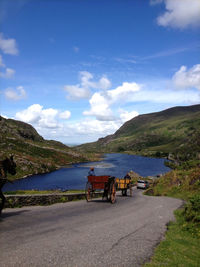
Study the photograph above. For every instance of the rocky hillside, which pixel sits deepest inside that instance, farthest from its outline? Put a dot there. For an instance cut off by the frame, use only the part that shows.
(173, 133)
(33, 154)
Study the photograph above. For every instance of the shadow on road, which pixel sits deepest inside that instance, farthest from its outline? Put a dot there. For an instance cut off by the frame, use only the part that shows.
(9, 214)
(99, 201)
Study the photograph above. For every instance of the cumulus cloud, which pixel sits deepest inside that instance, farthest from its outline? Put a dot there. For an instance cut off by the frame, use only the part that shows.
(123, 92)
(8, 46)
(101, 102)
(180, 13)
(15, 94)
(103, 83)
(100, 107)
(82, 90)
(47, 123)
(184, 78)
(126, 116)
(42, 118)
(65, 114)
(8, 73)
(87, 129)
(95, 127)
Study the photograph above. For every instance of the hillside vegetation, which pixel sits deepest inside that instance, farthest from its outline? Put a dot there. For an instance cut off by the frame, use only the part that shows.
(172, 133)
(183, 235)
(32, 153)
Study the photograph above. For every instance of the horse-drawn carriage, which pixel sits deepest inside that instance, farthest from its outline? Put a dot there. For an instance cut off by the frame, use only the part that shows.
(124, 185)
(106, 183)
(109, 185)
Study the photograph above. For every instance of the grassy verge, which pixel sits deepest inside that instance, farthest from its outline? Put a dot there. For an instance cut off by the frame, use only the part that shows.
(177, 183)
(182, 240)
(34, 192)
(180, 247)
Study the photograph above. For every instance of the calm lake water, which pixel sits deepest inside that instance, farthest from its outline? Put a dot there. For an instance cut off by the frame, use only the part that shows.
(75, 177)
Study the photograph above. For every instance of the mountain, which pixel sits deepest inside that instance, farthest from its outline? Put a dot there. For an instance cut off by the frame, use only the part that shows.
(32, 153)
(174, 133)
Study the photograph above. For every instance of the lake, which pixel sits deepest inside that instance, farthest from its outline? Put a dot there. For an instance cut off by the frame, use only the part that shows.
(75, 176)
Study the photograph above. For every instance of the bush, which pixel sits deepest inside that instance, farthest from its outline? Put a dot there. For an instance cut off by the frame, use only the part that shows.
(191, 214)
(192, 210)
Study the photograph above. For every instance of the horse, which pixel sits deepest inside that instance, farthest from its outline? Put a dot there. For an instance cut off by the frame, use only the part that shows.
(7, 165)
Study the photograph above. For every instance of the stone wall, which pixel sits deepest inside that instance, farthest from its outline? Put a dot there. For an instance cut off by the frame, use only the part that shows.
(13, 201)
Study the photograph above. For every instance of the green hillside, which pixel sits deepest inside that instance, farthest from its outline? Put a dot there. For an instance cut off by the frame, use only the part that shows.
(173, 133)
(32, 153)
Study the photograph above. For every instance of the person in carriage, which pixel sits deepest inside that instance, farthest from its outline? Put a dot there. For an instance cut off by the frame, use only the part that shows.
(91, 172)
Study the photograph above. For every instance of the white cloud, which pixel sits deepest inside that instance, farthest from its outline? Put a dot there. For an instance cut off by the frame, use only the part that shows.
(184, 78)
(86, 78)
(95, 127)
(8, 46)
(82, 90)
(65, 115)
(9, 73)
(104, 83)
(101, 102)
(75, 92)
(123, 92)
(41, 118)
(46, 122)
(180, 13)
(100, 108)
(15, 95)
(4, 116)
(86, 130)
(126, 116)
(30, 115)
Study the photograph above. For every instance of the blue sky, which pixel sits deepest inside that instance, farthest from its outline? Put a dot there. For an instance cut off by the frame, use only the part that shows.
(78, 69)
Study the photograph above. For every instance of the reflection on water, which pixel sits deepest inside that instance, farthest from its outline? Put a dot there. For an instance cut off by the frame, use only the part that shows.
(75, 177)
(103, 165)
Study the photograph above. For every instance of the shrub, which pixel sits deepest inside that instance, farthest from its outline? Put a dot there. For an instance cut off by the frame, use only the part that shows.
(192, 210)
(191, 214)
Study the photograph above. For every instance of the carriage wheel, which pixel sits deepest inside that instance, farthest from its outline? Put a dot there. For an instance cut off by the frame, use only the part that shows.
(88, 191)
(112, 192)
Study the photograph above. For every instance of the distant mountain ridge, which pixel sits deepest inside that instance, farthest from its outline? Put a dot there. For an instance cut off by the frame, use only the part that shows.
(172, 132)
(32, 153)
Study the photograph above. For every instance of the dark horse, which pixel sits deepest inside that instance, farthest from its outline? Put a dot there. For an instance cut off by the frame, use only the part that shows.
(7, 165)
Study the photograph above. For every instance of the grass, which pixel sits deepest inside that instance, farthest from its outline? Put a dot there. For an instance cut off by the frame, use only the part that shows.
(34, 192)
(182, 240)
(177, 183)
(180, 247)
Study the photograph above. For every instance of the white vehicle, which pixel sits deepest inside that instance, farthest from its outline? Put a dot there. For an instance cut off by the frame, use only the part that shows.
(141, 184)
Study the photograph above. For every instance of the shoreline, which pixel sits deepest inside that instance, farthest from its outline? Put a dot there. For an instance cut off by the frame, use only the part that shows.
(86, 164)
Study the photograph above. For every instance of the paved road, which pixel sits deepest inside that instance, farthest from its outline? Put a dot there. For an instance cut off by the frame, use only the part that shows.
(80, 234)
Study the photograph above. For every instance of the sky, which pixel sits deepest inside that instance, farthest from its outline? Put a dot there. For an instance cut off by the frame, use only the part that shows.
(77, 70)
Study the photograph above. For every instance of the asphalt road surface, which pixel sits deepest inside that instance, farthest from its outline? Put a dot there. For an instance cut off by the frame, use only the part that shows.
(81, 234)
